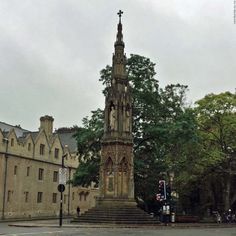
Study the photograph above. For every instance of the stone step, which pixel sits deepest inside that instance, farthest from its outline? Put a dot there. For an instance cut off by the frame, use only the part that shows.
(112, 221)
(137, 210)
(118, 211)
(116, 215)
(113, 218)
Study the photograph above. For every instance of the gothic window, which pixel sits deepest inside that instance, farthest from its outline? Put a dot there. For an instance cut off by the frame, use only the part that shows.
(56, 152)
(12, 142)
(55, 176)
(26, 196)
(40, 176)
(85, 196)
(42, 149)
(54, 197)
(80, 196)
(39, 197)
(29, 146)
(15, 170)
(28, 171)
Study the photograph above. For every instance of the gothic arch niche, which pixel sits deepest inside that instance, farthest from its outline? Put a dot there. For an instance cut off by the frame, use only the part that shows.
(123, 178)
(109, 177)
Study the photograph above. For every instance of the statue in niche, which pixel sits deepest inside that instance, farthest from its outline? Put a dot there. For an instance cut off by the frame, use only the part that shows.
(127, 118)
(112, 116)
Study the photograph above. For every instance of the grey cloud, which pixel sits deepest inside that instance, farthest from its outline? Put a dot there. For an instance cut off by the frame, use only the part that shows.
(52, 51)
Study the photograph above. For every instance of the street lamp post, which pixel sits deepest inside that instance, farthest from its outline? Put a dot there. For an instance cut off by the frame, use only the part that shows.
(5, 140)
(61, 189)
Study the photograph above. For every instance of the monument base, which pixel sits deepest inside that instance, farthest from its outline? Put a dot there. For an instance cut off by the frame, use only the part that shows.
(116, 211)
(115, 202)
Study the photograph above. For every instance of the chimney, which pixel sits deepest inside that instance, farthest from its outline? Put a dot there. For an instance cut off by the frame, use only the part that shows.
(46, 124)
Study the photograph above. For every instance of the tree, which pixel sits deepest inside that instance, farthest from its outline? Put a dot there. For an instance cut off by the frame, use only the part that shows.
(216, 116)
(207, 178)
(88, 140)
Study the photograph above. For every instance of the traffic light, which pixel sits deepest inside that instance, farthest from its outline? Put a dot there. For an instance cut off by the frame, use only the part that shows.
(162, 189)
(168, 192)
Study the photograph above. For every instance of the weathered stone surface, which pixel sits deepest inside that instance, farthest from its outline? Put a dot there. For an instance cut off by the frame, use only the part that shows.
(116, 169)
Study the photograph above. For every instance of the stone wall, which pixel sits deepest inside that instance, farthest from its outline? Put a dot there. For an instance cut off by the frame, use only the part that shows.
(32, 177)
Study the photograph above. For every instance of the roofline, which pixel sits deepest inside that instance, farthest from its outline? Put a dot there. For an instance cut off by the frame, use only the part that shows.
(14, 126)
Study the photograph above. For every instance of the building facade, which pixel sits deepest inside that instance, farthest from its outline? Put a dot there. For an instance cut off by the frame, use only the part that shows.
(29, 172)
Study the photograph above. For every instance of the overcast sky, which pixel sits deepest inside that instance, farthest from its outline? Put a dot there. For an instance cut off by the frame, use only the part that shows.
(51, 52)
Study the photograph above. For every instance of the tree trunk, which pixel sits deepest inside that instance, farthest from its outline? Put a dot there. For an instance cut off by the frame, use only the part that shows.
(226, 196)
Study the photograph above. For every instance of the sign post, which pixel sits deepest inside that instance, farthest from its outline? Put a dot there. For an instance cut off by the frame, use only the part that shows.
(62, 175)
(61, 186)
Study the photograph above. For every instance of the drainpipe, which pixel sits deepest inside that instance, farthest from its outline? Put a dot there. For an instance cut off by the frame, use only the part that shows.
(69, 191)
(5, 140)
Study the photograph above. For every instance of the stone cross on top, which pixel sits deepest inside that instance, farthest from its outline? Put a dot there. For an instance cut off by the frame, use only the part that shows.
(120, 14)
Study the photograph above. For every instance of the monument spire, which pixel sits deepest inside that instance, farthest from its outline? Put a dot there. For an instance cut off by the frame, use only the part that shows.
(119, 36)
(119, 58)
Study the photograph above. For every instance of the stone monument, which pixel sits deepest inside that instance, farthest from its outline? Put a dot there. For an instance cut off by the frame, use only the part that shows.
(116, 203)
(116, 169)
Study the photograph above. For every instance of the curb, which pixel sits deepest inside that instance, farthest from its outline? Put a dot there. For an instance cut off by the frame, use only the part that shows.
(161, 226)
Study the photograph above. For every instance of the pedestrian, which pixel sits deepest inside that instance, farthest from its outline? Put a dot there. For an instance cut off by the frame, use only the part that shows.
(78, 211)
(218, 217)
(233, 218)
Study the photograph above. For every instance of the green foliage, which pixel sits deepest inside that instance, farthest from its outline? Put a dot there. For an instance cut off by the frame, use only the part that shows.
(88, 140)
(210, 167)
(217, 121)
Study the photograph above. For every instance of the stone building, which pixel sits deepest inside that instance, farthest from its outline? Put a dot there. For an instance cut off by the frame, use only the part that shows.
(29, 172)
